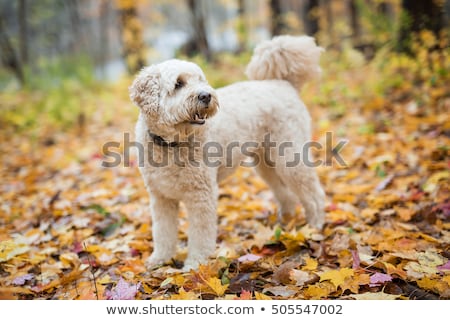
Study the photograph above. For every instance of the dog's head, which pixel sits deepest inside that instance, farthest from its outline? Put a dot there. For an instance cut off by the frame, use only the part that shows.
(174, 94)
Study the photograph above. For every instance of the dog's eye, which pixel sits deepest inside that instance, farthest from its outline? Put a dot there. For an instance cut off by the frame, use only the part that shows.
(179, 84)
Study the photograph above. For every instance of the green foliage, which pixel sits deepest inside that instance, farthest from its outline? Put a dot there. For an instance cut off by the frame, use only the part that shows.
(380, 28)
(349, 80)
(56, 93)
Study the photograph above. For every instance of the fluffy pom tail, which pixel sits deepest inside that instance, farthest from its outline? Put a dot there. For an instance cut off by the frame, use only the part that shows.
(294, 59)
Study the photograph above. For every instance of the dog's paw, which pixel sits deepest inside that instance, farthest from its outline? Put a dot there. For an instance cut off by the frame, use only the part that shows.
(192, 264)
(317, 222)
(155, 261)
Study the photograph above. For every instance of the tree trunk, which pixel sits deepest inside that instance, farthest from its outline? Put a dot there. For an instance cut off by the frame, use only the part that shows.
(330, 23)
(132, 36)
(419, 15)
(354, 22)
(277, 23)
(104, 50)
(241, 26)
(199, 41)
(23, 31)
(8, 57)
(311, 18)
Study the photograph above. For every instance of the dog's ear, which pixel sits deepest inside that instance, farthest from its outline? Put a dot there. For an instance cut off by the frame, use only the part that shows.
(145, 90)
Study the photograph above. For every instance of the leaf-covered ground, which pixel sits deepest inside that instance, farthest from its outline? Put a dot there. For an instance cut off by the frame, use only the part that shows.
(72, 229)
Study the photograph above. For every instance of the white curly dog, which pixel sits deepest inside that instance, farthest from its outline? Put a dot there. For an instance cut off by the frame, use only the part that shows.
(180, 114)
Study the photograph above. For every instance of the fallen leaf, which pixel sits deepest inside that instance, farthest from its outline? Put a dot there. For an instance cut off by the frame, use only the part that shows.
(444, 267)
(283, 273)
(432, 182)
(299, 277)
(245, 295)
(122, 291)
(374, 296)
(379, 278)
(183, 295)
(20, 280)
(280, 291)
(10, 249)
(383, 184)
(310, 264)
(319, 290)
(216, 285)
(356, 260)
(430, 259)
(261, 296)
(337, 277)
(249, 257)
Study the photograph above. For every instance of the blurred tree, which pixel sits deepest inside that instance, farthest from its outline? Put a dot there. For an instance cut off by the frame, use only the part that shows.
(199, 41)
(420, 15)
(103, 30)
(132, 36)
(23, 31)
(311, 17)
(8, 55)
(277, 22)
(354, 22)
(329, 21)
(241, 26)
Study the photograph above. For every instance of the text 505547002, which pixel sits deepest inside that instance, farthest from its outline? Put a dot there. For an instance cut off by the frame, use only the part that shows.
(307, 309)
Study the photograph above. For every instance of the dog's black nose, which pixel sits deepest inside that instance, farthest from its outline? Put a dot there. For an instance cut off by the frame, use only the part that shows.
(204, 97)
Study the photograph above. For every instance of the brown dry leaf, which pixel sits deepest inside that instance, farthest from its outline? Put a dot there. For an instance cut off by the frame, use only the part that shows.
(299, 277)
(374, 296)
(281, 291)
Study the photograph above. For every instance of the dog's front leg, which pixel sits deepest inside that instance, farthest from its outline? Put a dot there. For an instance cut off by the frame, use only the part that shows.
(202, 229)
(164, 229)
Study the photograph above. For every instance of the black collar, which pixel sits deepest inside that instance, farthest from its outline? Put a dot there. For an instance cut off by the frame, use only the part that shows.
(161, 142)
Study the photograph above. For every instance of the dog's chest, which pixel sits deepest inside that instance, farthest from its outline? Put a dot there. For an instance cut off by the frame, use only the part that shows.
(174, 172)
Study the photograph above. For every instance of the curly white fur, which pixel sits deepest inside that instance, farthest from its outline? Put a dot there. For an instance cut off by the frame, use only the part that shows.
(294, 59)
(169, 95)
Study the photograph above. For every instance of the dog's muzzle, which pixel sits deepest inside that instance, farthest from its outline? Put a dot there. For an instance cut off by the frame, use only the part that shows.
(203, 110)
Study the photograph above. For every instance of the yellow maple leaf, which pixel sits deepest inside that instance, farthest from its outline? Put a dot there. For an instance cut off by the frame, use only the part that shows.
(10, 249)
(319, 290)
(436, 285)
(353, 283)
(337, 277)
(216, 285)
(261, 296)
(183, 295)
(311, 264)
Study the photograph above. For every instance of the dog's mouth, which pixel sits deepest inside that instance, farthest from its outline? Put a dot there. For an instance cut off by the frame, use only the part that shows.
(199, 119)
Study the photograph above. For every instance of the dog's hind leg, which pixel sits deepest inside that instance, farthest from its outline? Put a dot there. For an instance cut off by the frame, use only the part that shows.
(287, 201)
(304, 182)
